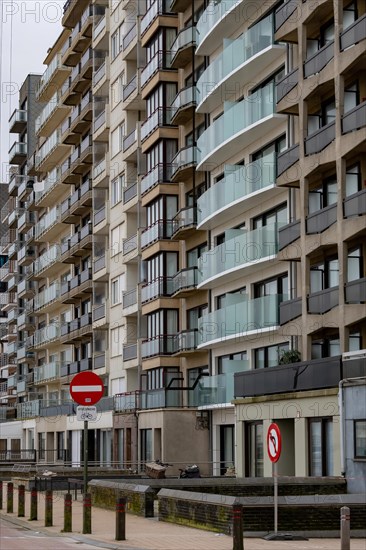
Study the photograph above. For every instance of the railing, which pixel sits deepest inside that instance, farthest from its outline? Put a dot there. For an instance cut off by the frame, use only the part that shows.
(46, 334)
(128, 401)
(51, 256)
(160, 117)
(288, 234)
(237, 319)
(355, 118)
(48, 110)
(129, 88)
(129, 298)
(160, 398)
(161, 286)
(324, 300)
(284, 12)
(129, 352)
(185, 218)
(319, 60)
(286, 84)
(51, 143)
(99, 27)
(99, 312)
(50, 371)
(100, 168)
(214, 12)
(51, 218)
(99, 120)
(18, 115)
(319, 140)
(184, 98)
(290, 309)
(184, 158)
(100, 215)
(100, 73)
(355, 291)
(129, 37)
(130, 244)
(186, 37)
(238, 183)
(185, 279)
(287, 158)
(161, 173)
(216, 389)
(160, 61)
(161, 229)
(156, 9)
(18, 148)
(129, 140)
(245, 248)
(355, 204)
(160, 345)
(186, 340)
(318, 221)
(354, 33)
(48, 74)
(99, 263)
(130, 193)
(46, 296)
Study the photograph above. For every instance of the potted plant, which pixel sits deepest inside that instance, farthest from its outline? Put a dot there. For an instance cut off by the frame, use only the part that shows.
(289, 356)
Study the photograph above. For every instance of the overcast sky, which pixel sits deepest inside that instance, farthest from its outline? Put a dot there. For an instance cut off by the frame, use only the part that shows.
(28, 29)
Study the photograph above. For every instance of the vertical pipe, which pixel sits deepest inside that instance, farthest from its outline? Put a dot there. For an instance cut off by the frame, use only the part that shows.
(21, 501)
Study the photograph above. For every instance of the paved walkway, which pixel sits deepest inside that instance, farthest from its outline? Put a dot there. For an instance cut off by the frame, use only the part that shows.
(148, 534)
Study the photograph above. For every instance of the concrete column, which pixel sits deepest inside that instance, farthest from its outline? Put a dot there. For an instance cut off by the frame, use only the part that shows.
(239, 444)
(267, 464)
(301, 447)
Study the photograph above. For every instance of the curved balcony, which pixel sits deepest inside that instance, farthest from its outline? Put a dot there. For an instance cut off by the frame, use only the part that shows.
(245, 318)
(238, 255)
(184, 105)
(160, 345)
(161, 287)
(235, 193)
(160, 118)
(184, 222)
(185, 281)
(54, 76)
(184, 163)
(239, 63)
(183, 46)
(161, 229)
(220, 19)
(161, 173)
(241, 123)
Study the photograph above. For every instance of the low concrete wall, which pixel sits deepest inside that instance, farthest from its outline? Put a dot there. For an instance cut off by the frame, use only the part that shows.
(313, 515)
(140, 498)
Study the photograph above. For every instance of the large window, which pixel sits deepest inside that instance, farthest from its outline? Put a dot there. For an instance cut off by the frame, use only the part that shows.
(227, 446)
(324, 275)
(195, 253)
(146, 445)
(271, 287)
(360, 438)
(233, 362)
(323, 195)
(277, 215)
(162, 322)
(354, 264)
(254, 449)
(117, 186)
(353, 179)
(325, 347)
(320, 446)
(269, 356)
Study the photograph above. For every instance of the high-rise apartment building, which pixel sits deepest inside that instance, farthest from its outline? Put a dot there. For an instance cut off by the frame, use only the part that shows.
(196, 232)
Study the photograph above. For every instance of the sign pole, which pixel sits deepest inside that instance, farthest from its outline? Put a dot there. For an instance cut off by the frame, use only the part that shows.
(85, 457)
(275, 483)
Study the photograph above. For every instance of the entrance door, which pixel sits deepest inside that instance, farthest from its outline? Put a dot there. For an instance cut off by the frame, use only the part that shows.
(227, 458)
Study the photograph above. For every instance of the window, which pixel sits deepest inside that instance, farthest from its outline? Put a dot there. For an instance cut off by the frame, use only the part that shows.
(233, 362)
(146, 445)
(195, 385)
(227, 452)
(324, 116)
(116, 341)
(230, 298)
(116, 41)
(351, 97)
(194, 314)
(117, 186)
(269, 356)
(272, 287)
(320, 446)
(60, 446)
(324, 195)
(349, 14)
(324, 275)
(117, 90)
(353, 180)
(360, 438)
(117, 239)
(195, 253)
(354, 264)
(277, 215)
(116, 294)
(162, 265)
(325, 347)
(117, 139)
(162, 322)
(254, 449)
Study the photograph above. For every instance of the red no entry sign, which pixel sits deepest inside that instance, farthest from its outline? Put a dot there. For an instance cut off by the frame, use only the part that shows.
(86, 388)
(274, 442)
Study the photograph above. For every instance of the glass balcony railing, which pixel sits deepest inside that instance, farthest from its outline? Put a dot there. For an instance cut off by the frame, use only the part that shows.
(236, 53)
(50, 144)
(162, 229)
(185, 218)
(47, 112)
(184, 98)
(50, 371)
(160, 61)
(186, 37)
(238, 183)
(216, 10)
(236, 119)
(46, 296)
(159, 7)
(162, 286)
(128, 401)
(17, 120)
(99, 27)
(48, 74)
(217, 389)
(46, 185)
(185, 279)
(243, 249)
(161, 173)
(160, 398)
(50, 219)
(160, 345)
(162, 116)
(51, 256)
(242, 317)
(46, 334)
(185, 157)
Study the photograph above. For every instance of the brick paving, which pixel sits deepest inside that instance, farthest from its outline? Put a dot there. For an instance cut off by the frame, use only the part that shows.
(149, 534)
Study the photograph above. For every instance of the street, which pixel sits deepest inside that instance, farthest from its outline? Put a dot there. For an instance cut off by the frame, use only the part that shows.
(13, 537)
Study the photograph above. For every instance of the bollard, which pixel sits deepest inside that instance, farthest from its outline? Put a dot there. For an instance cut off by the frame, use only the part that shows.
(68, 513)
(87, 514)
(238, 527)
(10, 498)
(1, 495)
(121, 518)
(48, 516)
(345, 528)
(34, 505)
(21, 501)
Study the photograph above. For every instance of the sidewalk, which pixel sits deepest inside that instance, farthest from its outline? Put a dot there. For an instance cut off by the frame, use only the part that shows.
(149, 534)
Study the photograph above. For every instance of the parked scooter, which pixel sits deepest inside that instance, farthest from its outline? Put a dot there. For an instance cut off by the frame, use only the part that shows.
(190, 472)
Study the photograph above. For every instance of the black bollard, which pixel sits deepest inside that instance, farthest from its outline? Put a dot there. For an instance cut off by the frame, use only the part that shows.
(10, 498)
(48, 517)
(87, 514)
(21, 501)
(238, 543)
(68, 513)
(34, 505)
(121, 518)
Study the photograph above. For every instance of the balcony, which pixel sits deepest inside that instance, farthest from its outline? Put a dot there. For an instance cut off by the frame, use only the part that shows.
(18, 121)
(47, 228)
(355, 291)
(158, 288)
(183, 47)
(126, 402)
(288, 234)
(319, 60)
(161, 229)
(286, 160)
(160, 62)
(51, 152)
(53, 76)
(44, 336)
(289, 310)
(26, 289)
(100, 74)
(160, 118)
(18, 153)
(25, 221)
(355, 205)
(46, 297)
(237, 256)
(26, 256)
(25, 188)
(158, 346)
(355, 118)
(303, 376)
(244, 318)
(241, 61)
(129, 193)
(130, 88)
(129, 141)
(320, 139)
(129, 298)
(129, 352)
(161, 398)
(47, 262)
(186, 341)
(354, 33)
(99, 27)
(184, 164)
(156, 9)
(50, 189)
(184, 222)
(236, 192)
(130, 245)
(283, 88)
(161, 173)
(76, 244)
(215, 390)
(100, 266)
(129, 43)
(241, 123)
(47, 373)
(51, 116)
(322, 219)
(324, 300)
(99, 312)
(76, 329)
(184, 105)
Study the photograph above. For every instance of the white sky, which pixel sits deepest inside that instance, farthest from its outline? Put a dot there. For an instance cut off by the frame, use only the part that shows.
(28, 28)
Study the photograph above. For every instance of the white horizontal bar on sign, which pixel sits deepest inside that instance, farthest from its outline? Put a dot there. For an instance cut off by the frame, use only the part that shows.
(84, 389)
